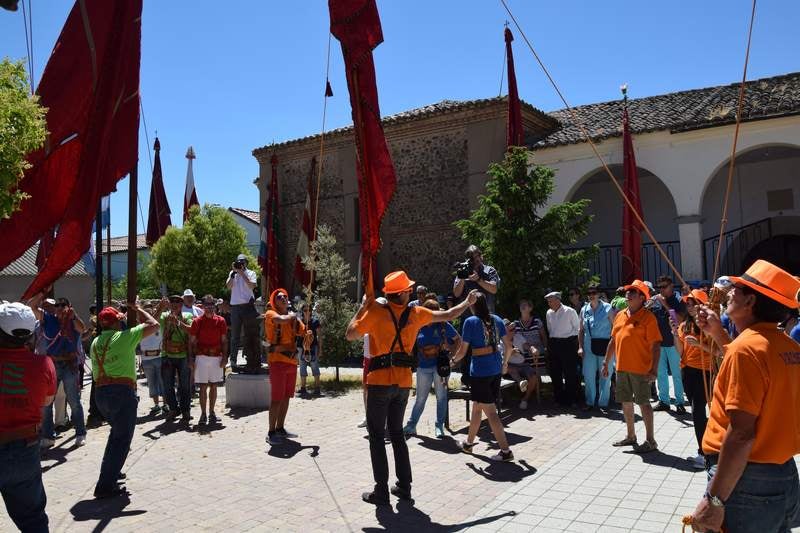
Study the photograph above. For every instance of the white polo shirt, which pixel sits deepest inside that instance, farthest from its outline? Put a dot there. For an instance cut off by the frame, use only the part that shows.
(240, 292)
(563, 322)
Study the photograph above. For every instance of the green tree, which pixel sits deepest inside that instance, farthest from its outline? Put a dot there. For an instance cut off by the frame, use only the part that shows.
(198, 256)
(147, 286)
(333, 307)
(23, 129)
(526, 246)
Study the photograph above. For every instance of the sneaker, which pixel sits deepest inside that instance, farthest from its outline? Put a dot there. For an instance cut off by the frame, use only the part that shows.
(363, 424)
(303, 392)
(273, 438)
(375, 499)
(202, 421)
(505, 456)
(698, 461)
(410, 430)
(317, 393)
(185, 417)
(285, 434)
(438, 431)
(680, 409)
(80, 440)
(400, 492)
(112, 493)
(661, 406)
(523, 404)
(466, 447)
(212, 418)
(46, 443)
(155, 410)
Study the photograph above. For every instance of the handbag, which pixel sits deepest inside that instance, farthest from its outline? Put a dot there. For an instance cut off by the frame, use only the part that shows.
(598, 346)
(443, 359)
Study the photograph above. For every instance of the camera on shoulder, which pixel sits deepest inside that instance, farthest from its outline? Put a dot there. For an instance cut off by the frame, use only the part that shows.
(464, 269)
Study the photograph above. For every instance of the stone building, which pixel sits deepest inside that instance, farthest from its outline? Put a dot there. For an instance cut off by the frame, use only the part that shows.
(682, 141)
(441, 153)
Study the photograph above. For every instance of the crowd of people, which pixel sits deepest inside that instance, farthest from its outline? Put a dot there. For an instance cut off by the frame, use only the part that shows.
(647, 344)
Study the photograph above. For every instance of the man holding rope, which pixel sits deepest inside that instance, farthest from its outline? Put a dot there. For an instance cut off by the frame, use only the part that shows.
(392, 330)
(753, 432)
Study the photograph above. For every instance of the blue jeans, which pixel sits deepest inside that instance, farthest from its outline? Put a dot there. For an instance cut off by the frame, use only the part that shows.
(426, 377)
(21, 486)
(592, 368)
(669, 356)
(765, 500)
(68, 373)
(169, 367)
(152, 371)
(117, 404)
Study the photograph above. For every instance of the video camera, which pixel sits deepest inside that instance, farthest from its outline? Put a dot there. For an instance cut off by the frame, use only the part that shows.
(464, 269)
(237, 265)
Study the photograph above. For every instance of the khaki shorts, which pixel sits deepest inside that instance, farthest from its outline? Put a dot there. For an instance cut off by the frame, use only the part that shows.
(633, 388)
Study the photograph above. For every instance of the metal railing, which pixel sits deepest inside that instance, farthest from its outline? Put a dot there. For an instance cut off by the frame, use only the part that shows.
(736, 244)
(607, 264)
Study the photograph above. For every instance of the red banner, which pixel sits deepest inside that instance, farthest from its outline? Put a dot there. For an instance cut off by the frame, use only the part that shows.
(158, 218)
(357, 26)
(307, 229)
(268, 252)
(515, 135)
(91, 89)
(631, 228)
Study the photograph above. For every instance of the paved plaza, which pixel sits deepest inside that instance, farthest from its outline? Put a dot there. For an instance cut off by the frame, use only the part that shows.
(566, 477)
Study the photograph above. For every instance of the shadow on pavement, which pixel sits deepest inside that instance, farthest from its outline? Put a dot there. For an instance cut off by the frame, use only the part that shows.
(503, 472)
(659, 458)
(102, 510)
(445, 445)
(58, 453)
(243, 412)
(290, 448)
(409, 517)
(166, 427)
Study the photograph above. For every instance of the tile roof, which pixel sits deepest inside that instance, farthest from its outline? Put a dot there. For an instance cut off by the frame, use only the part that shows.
(120, 244)
(252, 216)
(25, 265)
(681, 111)
(439, 108)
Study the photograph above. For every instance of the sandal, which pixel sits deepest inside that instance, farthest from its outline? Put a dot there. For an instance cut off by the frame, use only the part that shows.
(627, 441)
(466, 447)
(646, 447)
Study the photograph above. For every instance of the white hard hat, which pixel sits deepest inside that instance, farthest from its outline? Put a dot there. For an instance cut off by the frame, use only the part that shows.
(17, 319)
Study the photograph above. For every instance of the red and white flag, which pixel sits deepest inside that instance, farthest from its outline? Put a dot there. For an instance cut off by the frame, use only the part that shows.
(307, 230)
(190, 194)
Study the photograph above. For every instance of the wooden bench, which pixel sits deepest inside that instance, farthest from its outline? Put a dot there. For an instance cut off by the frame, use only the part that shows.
(466, 395)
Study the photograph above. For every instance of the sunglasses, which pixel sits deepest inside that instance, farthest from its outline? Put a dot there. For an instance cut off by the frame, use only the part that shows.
(281, 297)
(62, 305)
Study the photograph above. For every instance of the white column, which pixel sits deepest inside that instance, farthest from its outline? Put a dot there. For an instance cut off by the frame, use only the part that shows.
(690, 231)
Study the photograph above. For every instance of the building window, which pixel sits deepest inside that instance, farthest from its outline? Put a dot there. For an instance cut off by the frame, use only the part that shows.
(780, 200)
(356, 221)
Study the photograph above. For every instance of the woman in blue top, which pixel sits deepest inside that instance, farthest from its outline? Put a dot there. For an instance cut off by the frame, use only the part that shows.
(483, 332)
(430, 340)
(597, 318)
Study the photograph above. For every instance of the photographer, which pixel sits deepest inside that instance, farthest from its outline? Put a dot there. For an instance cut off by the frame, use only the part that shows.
(241, 282)
(474, 274)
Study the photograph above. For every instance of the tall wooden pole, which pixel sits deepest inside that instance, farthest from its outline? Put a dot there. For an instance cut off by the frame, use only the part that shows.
(132, 197)
(108, 252)
(98, 263)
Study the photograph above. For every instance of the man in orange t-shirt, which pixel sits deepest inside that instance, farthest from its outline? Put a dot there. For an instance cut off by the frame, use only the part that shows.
(753, 431)
(635, 341)
(392, 330)
(281, 327)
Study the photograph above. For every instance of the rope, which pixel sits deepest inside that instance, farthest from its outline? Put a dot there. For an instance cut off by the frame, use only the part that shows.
(315, 214)
(591, 143)
(732, 164)
(503, 70)
(26, 22)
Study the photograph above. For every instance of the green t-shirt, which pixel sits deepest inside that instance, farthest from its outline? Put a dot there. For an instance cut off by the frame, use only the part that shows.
(619, 303)
(120, 356)
(172, 333)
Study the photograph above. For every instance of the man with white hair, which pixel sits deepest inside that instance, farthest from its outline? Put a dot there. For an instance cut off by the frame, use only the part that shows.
(27, 384)
(563, 326)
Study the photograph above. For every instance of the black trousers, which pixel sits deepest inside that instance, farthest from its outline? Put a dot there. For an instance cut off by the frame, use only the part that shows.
(387, 403)
(696, 392)
(564, 369)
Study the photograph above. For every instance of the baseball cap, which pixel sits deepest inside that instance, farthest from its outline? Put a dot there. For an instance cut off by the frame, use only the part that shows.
(640, 286)
(188, 292)
(241, 257)
(552, 294)
(17, 319)
(109, 315)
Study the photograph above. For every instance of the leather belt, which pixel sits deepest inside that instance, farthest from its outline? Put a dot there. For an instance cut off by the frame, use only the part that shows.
(486, 350)
(106, 380)
(65, 357)
(26, 433)
(149, 353)
(282, 349)
(398, 359)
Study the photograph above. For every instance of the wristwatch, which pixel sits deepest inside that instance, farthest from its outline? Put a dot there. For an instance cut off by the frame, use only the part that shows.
(714, 500)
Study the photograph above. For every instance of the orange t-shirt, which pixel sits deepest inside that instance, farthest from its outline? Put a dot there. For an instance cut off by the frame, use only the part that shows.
(378, 324)
(693, 356)
(283, 337)
(760, 375)
(633, 337)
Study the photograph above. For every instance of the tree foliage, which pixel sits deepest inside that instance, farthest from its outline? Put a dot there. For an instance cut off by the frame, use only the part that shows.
(332, 305)
(198, 256)
(526, 246)
(147, 286)
(22, 130)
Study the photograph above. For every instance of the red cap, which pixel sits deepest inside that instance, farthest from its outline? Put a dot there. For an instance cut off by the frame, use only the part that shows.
(109, 316)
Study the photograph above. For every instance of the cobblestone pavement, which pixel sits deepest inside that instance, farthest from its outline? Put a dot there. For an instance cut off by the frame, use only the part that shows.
(566, 476)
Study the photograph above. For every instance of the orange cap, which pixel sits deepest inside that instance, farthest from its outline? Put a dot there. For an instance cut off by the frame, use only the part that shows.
(640, 286)
(771, 281)
(698, 295)
(395, 282)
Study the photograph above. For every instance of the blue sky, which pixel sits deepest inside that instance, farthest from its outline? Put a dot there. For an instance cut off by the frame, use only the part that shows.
(227, 77)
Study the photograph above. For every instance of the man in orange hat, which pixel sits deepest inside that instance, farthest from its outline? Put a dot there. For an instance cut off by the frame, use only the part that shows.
(753, 431)
(392, 329)
(282, 328)
(636, 343)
